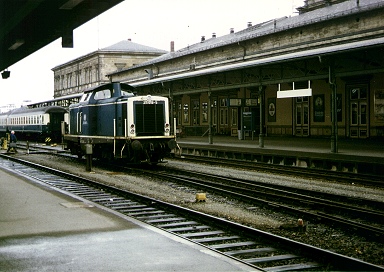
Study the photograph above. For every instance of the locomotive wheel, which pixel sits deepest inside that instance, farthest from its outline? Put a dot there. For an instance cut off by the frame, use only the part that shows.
(106, 154)
(154, 159)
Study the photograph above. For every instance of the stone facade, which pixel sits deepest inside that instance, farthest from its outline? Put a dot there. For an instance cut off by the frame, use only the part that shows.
(90, 70)
(221, 78)
(273, 38)
(335, 46)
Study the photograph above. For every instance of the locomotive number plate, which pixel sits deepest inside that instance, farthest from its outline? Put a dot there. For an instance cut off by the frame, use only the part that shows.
(149, 101)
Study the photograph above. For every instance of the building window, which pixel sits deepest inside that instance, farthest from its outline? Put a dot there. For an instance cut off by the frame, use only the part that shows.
(196, 112)
(97, 71)
(69, 80)
(205, 112)
(223, 111)
(179, 114)
(186, 113)
(62, 82)
(90, 75)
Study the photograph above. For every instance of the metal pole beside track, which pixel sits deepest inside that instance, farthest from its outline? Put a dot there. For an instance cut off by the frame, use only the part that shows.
(261, 135)
(210, 136)
(114, 137)
(332, 82)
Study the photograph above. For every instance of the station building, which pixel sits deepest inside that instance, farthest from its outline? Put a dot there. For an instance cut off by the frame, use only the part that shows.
(91, 69)
(318, 74)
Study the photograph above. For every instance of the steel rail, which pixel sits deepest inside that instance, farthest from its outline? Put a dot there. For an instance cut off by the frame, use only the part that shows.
(167, 216)
(347, 177)
(279, 199)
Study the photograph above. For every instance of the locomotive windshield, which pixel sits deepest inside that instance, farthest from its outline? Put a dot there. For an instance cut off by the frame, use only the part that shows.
(149, 118)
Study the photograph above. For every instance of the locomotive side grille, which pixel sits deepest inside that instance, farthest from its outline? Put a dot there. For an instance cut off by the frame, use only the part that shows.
(149, 119)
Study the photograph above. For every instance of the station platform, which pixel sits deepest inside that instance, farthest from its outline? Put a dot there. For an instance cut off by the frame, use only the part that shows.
(352, 147)
(43, 229)
(353, 155)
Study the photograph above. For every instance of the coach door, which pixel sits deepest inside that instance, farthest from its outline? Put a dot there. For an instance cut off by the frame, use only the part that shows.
(358, 107)
(302, 116)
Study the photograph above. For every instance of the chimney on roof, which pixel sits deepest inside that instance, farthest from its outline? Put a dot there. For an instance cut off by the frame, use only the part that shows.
(249, 24)
(202, 38)
(213, 35)
(231, 30)
(172, 46)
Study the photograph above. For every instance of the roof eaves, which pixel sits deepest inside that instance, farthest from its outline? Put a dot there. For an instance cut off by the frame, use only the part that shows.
(267, 28)
(275, 59)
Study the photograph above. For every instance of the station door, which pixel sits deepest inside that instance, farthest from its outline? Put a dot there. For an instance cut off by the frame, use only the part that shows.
(358, 116)
(301, 116)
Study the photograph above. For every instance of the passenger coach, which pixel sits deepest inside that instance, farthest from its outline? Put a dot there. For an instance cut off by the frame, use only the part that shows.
(34, 123)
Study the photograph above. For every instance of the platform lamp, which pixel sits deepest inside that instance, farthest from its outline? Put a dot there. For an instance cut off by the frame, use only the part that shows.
(6, 74)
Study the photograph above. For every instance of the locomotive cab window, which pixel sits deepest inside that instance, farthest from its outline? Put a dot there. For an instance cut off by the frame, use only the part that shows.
(85, 97)
(126, 93)
(103, 94)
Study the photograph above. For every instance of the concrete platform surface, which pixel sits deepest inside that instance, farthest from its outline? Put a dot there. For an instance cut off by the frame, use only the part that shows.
(42, 229)
(358, 148)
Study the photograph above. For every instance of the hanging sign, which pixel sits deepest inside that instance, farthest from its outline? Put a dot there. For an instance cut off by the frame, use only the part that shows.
(295, 93)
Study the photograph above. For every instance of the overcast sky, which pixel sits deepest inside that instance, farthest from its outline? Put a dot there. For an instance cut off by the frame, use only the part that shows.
(148, 22)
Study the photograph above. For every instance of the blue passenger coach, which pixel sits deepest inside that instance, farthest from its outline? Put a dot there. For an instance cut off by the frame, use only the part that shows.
(111, 122)
(34, 123)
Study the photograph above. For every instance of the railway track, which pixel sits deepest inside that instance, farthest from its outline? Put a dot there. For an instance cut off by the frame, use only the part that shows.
(346, 177)
(256, 248)
(345, 212)
(362, 216)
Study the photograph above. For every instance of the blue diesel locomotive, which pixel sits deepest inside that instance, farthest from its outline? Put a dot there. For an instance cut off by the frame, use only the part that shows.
(111, 122)
(34, 123)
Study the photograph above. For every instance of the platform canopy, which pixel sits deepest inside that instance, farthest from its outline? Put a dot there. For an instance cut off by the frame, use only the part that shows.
(28, 25)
